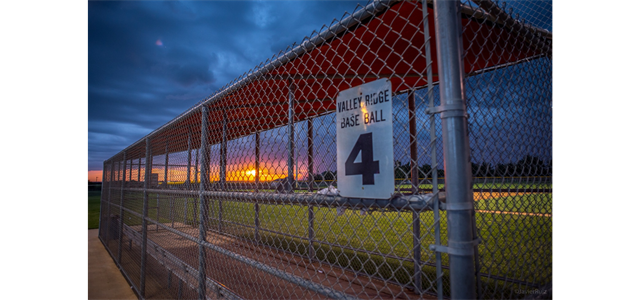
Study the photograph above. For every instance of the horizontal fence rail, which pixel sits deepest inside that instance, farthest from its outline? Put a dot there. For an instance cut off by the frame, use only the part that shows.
(240, 196)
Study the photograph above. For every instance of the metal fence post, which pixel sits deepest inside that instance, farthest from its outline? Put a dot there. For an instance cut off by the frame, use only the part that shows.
(188, 181)
(124, 171)
(101, 229)
(223, 153)
(456, 150)
(157, 211)
(109, 201)
(310, 153)
(198, 161)
(204, 153)
(413, 145)
(145, 212)
(184, 219)
(417, 263)
(186, 209)
(139, 168)
(171, 208)
(432, 145)
(312, 251)
(223, 167)
(312, 234)
(195, 174)
(166, 165)
(257, 180)
(290, 146)
(203, 207)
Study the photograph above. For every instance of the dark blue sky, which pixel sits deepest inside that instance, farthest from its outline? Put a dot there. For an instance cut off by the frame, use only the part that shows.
(149, 61)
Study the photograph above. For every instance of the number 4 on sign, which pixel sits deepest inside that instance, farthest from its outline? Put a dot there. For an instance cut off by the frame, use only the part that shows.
(367, 167)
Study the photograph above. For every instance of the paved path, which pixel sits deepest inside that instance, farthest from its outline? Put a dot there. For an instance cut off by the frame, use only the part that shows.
(105, 280)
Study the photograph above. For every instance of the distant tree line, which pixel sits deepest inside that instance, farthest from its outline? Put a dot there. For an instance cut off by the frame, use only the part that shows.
(527, 166)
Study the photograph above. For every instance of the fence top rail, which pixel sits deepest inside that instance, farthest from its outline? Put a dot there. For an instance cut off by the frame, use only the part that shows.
(295, 66)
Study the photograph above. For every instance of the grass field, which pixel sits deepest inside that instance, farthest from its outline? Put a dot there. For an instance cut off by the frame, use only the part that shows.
(514, 244)
(527, 204)
(94, 209)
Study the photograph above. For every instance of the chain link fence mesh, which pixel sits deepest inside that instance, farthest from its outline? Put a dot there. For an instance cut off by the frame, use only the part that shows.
(225, 200)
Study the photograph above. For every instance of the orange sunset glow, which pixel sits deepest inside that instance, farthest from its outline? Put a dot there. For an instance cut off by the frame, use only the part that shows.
(95, 174)
(248, 175)
(180, 174)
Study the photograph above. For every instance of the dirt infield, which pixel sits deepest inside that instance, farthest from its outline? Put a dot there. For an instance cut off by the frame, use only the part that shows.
(493, 195)
(513, 213)
(478, 196)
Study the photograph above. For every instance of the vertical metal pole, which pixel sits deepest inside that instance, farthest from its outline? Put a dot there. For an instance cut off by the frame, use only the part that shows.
(106, 190)
(476, 258)
(310, 153)
(456, 150)
(166, 165)
(435, 188)
(205, 161)
(290, 146)
(202, 288)
(166, 181)
(198, 161)
(145, 212)
(257, 180)
(124, 171)
(109, 201)
(223, 167)
(157, 211)
(312, 234)
(413, 145)
(436, 228)
(118, 180)
(101, 230)
(197, 177)
(171, 200)
(188, 181)
(417, 262)
(223, 153)
(310, 213)
(432, 145)
(130, 172)
(118, 174)
(139, 168)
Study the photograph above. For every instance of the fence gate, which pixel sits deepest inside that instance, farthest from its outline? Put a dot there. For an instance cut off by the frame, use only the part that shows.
(243, 195)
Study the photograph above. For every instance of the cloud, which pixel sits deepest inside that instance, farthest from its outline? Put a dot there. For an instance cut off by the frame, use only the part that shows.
(150, 61)
(186, 75)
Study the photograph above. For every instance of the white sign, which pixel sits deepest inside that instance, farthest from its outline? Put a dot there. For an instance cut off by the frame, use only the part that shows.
(365, 141)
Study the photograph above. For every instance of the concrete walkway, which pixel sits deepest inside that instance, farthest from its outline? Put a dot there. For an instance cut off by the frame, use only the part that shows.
(105, 280)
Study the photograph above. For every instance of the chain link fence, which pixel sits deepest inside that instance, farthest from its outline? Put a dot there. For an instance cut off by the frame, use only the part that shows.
(238, 196)
(509, 109)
